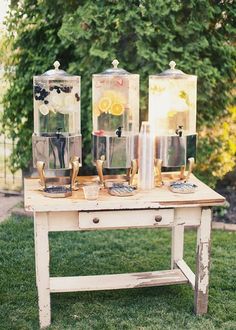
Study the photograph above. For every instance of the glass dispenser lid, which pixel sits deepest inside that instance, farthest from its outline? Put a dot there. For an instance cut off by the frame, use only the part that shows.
(114, 70)
(57, 73)
(173, 72)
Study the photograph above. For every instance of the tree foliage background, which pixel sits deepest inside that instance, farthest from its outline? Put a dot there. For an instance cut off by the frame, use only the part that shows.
(144, 35)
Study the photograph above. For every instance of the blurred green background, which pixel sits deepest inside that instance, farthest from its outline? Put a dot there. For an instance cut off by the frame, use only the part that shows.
(85, 36)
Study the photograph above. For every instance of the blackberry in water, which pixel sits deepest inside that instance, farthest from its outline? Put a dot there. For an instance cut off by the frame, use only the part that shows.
(66, 89)
(77, 97)
(37, 89)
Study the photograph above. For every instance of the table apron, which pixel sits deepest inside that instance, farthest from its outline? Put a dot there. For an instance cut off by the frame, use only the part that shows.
(123, 219)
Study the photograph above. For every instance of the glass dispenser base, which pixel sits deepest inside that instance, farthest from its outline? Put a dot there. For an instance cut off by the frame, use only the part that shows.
(113, 152)
(56, 151)
(116, 152)
(174, 152)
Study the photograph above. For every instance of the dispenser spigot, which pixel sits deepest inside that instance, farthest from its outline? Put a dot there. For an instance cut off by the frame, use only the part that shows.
(119, 131)
(179, 131)
(58, 132)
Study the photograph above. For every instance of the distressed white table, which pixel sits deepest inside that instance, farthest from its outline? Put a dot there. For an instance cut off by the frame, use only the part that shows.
(156, 208)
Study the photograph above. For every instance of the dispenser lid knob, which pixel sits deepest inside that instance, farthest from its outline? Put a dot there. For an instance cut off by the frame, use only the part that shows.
(56, 65)
(115, 63)
(172, 65)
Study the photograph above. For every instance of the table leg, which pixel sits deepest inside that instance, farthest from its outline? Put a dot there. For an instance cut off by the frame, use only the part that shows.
(177, 247)
(202, 263)
(42, 267)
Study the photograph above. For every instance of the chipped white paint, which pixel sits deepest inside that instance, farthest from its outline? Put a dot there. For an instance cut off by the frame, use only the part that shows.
(42, 267)
(75, 213)
(204, 271)
(202, 262)
(182, 215)
(117, 281)
(153, 199)
(205, 228)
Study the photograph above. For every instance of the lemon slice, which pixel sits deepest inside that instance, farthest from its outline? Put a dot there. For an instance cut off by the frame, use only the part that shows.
(44, 109)
(104, 104)
(117, 109)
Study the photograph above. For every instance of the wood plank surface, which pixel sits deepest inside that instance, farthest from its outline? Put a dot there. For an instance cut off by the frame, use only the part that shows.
(153, 199)
(117, 281)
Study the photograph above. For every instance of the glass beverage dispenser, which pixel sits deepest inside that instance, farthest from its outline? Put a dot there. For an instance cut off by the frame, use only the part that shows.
(57, 140)
(172, 112)
(115, 120)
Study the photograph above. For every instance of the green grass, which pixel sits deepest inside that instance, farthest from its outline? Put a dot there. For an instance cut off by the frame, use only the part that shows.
(84, 253)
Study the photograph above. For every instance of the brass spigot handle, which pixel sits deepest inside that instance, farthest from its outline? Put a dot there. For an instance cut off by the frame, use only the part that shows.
(182, 172)
(40, 168)
(74, 173)
(191, 163)
(128, 173)
(133, 171)
(73, 158)
(157, 171)
(99, 166)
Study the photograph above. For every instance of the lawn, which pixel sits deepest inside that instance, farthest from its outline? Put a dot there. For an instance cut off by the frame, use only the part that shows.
(83, 253)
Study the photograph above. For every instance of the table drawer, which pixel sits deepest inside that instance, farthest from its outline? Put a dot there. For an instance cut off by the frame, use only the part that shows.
(126, 219)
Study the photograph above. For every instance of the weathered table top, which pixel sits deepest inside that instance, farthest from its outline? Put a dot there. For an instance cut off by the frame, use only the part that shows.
(153, 199)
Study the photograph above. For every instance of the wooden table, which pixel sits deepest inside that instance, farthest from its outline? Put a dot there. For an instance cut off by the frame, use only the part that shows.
(156, 208)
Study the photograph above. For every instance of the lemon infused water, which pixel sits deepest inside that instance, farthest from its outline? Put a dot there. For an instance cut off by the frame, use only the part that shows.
(115, 106)
(172, 114)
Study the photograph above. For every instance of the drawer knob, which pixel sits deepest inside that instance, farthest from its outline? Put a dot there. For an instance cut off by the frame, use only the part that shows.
(95, 220)
(158, 218)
